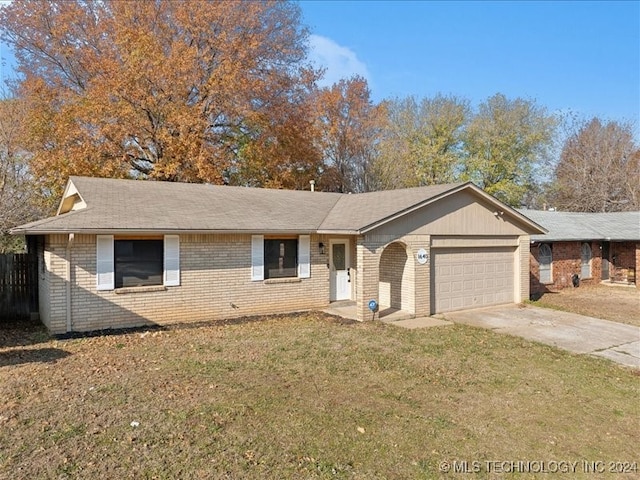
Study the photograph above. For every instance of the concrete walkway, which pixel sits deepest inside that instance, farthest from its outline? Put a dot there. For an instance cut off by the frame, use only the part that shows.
(347, 309)
(569, 331)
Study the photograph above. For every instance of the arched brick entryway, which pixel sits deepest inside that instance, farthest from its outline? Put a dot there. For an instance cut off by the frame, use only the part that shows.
(395, 285)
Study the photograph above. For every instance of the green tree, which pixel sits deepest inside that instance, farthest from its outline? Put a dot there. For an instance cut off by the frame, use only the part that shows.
(506, 144)
(599, 169)
(422, 141)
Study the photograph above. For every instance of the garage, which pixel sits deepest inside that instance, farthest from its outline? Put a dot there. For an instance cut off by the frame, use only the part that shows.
(472, 277)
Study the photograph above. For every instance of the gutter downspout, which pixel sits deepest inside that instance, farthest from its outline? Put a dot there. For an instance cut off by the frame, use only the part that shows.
(68, 283)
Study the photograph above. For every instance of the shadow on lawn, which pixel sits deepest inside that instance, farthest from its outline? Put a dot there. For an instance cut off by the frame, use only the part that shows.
(25, 333)
(20, 333)
(37, 355)
(207, 324)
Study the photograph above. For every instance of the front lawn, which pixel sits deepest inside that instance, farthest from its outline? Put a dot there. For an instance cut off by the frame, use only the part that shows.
(609, 302)
(307, 396)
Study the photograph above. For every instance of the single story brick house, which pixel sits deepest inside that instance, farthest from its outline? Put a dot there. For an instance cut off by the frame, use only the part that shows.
(124, 253)
(594, 246)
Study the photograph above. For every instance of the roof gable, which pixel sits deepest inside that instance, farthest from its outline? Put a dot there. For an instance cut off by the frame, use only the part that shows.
(71, 199)
(460, 213)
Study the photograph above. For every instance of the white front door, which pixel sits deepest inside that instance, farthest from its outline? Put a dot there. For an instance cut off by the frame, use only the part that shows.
(339, 264)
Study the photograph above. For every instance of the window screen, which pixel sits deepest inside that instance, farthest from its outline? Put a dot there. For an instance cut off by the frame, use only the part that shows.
(280, 258)
(138, 262)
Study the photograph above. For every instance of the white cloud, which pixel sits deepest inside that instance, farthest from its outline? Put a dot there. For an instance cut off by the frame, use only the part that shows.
(340, 62)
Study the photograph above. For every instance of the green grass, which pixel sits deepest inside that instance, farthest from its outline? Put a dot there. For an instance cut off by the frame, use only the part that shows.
(308, 397)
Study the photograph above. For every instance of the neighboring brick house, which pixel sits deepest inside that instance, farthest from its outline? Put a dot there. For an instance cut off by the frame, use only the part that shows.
(594, 246)
(124, 253)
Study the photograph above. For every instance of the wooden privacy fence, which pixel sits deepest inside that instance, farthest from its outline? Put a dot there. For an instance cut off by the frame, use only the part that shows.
(18, 285)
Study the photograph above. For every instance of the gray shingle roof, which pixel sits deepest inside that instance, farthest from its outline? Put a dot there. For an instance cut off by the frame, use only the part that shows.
(131, 205)
(365, 209)
(128, 206)
(573, 226)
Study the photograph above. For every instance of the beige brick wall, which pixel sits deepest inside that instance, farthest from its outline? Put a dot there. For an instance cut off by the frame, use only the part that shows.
(215, 284)
(395, 278)
(392, 275)
(56, 262)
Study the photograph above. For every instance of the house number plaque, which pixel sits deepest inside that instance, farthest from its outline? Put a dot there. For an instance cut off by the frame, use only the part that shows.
(422, 256)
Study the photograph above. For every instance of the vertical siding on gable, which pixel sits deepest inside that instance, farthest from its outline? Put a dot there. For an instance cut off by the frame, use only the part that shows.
(460, 214)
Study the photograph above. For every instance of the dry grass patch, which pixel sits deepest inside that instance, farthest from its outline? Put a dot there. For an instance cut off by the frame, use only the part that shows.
(305, 397)
(615, 303)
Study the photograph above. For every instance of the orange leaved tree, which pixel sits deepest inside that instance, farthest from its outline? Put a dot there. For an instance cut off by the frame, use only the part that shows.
(188, 91)
(349, 126)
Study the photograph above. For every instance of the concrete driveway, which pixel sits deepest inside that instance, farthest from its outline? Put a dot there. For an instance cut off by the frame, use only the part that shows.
(569, 331)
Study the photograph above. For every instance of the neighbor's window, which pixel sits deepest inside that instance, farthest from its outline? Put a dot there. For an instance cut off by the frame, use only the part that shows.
(545, 259)
(138, 262)
(280, 258)
(585, 271)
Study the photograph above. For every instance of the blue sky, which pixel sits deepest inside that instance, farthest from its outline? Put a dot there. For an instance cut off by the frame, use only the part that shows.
(576, 56)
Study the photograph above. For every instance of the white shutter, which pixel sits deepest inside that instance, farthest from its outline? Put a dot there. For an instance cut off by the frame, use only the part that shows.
(257, 257)
(171, 260)
(304, 256)
(105, 276)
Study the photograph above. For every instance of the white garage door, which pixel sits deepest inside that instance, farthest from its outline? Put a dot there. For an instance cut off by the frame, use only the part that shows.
(472, 277)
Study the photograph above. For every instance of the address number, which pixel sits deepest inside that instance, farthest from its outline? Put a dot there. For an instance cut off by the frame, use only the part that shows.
(422, 256)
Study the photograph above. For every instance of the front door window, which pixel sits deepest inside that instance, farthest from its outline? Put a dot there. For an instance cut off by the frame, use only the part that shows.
(339, 257)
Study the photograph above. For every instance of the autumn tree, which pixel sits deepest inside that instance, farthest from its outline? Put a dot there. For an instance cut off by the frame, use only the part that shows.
(348, 126)
(599, 169)
(505, 145)
(19, 199)
(421, 143)
(187, 91)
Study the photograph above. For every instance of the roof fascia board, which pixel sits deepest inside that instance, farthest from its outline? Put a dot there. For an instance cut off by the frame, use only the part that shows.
(37, 226)
(116, 231)
(580, 239)
(337, 232)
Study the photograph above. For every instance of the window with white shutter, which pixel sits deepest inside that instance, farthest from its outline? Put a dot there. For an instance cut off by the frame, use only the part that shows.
(126, 262)
(280, 257)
